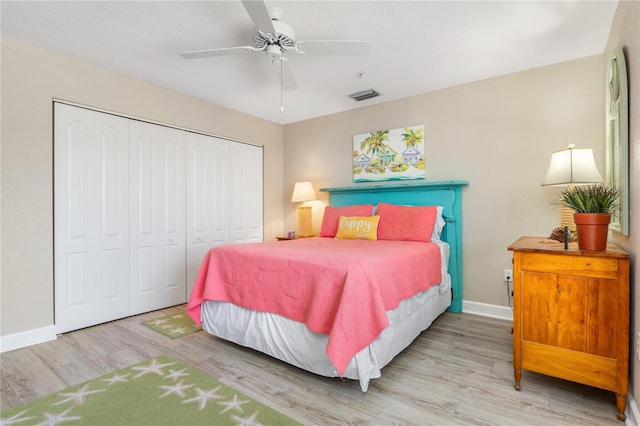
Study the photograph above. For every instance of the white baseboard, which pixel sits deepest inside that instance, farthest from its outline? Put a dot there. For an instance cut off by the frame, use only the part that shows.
(632, 413)
(27, 338)
(486, 310)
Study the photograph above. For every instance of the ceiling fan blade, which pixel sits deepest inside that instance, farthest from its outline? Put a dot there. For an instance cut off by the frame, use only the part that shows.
(282, 69)
(225, 51)
(334, 47)
(257, 10)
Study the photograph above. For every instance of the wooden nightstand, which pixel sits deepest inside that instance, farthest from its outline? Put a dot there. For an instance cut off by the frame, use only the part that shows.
(571, 314)
(295, 238)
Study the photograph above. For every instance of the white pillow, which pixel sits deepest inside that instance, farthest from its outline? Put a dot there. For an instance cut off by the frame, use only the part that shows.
(439, 225)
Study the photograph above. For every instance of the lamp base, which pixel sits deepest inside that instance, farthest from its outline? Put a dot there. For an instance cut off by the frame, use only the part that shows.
(304, 222)
(566, 218)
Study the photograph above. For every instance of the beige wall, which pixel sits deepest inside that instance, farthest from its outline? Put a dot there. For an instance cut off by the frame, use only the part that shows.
(498, 134)
(625, 33)
(30, 79)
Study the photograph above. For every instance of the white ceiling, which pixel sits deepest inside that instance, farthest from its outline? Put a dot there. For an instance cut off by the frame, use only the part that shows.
(416, 46)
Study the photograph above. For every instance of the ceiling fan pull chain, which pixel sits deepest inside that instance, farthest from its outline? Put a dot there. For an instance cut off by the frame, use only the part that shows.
(275, 37)
(281, 84)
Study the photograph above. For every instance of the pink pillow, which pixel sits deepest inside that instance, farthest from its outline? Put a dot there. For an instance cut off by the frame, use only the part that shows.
(406, 223)
(332, 216)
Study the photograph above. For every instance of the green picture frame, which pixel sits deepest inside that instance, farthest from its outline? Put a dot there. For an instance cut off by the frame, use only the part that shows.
(617, 136)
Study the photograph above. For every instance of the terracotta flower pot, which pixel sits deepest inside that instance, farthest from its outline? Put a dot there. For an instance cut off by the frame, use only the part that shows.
(592, 229)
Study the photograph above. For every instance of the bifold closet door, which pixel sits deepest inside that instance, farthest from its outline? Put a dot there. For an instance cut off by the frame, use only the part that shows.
(157, 213)
(91, 221)
(246, 193)
(137, 206)
(207, 199)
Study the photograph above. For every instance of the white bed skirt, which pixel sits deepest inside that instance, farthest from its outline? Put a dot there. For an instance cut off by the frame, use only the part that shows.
(292, 342)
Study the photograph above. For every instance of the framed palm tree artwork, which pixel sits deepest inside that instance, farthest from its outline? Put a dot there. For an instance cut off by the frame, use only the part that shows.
(396, 154)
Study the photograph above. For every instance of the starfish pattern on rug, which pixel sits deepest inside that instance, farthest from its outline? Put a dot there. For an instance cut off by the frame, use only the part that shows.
(175, 375)
(15, 419)
(174, 325)
(54, 419)
(151, 368)
(116, 378)
(177, 389)
(247, 421)
(178, 330)
(234, 404)
(190, 395)
(203, 396)
(79, 395)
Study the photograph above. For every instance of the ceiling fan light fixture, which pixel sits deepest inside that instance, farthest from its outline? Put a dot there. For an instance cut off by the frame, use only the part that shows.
(274, 52)
(276, 38)
(364, 94)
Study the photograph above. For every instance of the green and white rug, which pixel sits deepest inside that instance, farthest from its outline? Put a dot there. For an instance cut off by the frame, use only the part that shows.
(174, 325)
(161, 391)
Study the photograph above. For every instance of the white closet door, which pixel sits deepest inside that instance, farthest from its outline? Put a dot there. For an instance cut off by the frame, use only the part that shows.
(91, 221)
(207, 195)
(246, 193)
(157, 211)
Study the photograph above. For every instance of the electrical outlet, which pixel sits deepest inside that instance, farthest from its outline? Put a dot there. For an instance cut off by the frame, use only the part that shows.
(508, 275)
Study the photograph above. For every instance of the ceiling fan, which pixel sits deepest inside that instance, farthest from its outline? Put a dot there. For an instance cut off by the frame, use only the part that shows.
(275, 38)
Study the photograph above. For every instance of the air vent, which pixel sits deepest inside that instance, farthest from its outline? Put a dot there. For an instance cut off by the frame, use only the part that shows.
(364, 94)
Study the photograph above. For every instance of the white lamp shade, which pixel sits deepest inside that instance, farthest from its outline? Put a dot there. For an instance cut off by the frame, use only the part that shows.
(572, 166)
(303, 191)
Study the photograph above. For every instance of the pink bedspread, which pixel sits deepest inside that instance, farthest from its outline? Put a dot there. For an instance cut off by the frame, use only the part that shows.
(342, 288)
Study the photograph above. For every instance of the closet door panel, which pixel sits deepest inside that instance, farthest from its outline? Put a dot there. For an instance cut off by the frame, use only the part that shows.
(246, 193)
(207, 199)
(157, 217)
(137, 206)
(91, 221)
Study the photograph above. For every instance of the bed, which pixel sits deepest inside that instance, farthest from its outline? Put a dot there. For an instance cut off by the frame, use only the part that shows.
(346, 306)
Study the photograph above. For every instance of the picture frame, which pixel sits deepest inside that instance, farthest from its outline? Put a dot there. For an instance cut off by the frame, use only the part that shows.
(617, 136)
(395, 154)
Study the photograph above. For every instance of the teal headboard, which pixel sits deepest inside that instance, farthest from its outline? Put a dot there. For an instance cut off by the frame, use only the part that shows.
(447, 194)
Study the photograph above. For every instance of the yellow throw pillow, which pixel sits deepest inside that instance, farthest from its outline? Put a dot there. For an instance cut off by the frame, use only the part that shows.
(358, 228)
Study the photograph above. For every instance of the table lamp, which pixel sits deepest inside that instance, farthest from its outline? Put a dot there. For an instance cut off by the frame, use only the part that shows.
(302, 192)
(570, 167)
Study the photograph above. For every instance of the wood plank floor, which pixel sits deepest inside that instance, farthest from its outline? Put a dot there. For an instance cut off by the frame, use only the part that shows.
(457, 372)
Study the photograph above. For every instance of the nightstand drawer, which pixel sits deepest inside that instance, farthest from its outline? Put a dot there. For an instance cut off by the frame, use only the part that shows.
(587, 266)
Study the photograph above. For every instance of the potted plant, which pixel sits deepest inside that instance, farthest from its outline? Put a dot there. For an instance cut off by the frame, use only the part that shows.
(593, 206)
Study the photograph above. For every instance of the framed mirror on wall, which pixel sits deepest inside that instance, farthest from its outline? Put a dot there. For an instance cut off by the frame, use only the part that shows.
(617, 136)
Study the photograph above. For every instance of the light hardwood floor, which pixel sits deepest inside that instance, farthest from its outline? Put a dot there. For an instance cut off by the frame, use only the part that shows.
(457, 372)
